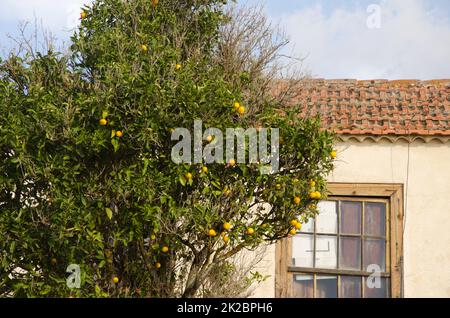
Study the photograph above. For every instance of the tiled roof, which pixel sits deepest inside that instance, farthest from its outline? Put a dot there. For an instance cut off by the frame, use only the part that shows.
(378, 107)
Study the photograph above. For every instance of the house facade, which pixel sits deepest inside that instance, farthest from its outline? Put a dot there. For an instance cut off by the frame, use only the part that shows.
(384, 230)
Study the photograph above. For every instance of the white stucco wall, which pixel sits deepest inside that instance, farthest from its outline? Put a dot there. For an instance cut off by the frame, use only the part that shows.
(427, 207)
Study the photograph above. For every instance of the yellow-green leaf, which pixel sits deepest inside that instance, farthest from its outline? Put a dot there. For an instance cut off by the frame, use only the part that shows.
(108, 213)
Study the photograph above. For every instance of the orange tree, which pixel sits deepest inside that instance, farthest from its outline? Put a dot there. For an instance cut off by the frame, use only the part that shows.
(86, 175)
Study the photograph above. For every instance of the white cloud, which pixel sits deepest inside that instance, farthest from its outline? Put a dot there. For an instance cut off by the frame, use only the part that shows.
(56, 16)
(411, 42)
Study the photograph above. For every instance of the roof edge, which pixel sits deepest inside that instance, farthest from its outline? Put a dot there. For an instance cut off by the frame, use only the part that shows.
(393, 138)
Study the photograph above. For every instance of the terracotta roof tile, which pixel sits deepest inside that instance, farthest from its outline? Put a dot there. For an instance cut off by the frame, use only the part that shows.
(378, 107)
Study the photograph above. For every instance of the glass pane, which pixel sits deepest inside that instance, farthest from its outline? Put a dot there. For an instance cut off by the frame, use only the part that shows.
(303, 286)
(350, 287)
(327, 217)
(326, 286)
(302, 250)
(375, 253)
(326, 251)
(375, 219)
(350, 217)
(350, 253)
(376, 287)
(308, 227)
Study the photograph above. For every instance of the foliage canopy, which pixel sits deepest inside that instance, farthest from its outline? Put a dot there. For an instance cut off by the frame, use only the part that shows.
(85, 170)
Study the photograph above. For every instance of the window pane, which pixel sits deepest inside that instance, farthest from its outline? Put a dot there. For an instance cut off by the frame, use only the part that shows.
(327, 217)
(326, 251)
(308, 227)
(326, 286)
(375, 219)
(374, 253)
(350, 217)
(374, 289)
(350, 253)
(350, 287)
(303, 286)
(302, 250)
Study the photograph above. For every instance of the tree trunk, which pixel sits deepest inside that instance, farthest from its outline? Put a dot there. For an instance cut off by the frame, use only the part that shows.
(195, 278)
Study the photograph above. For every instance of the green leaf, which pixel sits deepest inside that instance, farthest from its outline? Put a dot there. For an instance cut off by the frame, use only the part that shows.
(108, 213)
(206, 190)
(12, 247)
(97, 290)
(46, 289)
(216, 185)
(146, 162)
(115, 144)
(182, 181)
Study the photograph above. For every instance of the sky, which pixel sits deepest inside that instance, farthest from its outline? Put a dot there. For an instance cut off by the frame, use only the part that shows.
(365, 39)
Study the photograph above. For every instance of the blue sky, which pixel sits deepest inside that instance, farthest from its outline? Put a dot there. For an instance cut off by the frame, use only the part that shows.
(280, 7)
(339, 38)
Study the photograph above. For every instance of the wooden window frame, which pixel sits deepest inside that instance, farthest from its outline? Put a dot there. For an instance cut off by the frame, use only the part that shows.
(391, 192)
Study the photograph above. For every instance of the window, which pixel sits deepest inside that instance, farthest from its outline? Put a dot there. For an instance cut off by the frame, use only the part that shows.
(356, 236)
